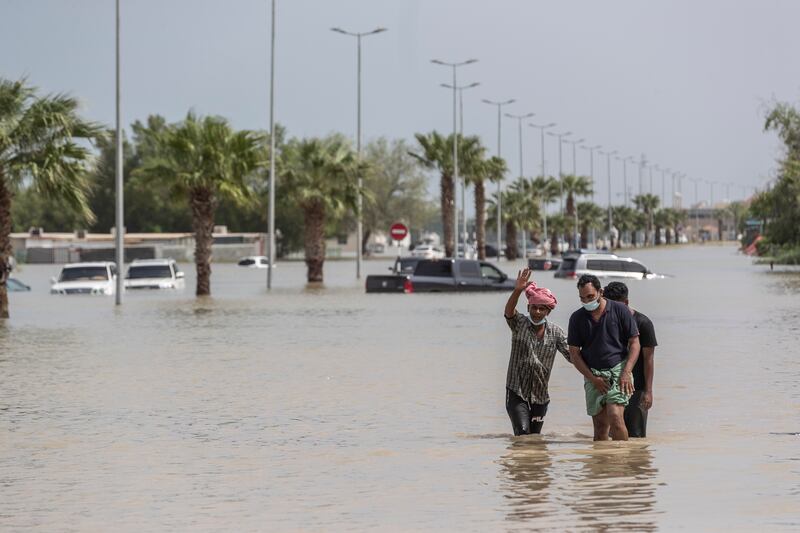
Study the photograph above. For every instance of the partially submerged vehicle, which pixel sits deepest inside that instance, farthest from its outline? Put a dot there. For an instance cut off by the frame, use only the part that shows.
(86, 278)
(154, 274)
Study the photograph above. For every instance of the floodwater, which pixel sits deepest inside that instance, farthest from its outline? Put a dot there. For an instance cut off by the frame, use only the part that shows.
(330, 409)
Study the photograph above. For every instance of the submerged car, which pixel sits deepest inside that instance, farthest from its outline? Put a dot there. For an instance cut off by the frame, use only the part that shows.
(427, 251)
(255, 261)
(154, 274)
(15, 285)
(86, 278)
(603, 265)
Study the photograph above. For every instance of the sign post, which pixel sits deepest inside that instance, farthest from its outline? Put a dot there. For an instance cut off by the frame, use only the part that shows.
(398, 231)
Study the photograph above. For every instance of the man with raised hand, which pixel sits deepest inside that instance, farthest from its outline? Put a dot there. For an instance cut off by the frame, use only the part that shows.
(534, 342)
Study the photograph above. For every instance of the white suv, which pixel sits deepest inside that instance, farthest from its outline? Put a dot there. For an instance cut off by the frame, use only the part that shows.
(603, 265)
(154, 274)
(85, 278)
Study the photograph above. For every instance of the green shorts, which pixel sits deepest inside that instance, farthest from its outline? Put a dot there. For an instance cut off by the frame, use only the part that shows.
(594, 400)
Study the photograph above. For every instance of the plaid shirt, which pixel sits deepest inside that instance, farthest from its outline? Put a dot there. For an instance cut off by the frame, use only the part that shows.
(532, 358)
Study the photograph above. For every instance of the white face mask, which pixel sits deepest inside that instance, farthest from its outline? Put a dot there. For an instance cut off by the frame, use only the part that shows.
(535, 323)
(591, 306)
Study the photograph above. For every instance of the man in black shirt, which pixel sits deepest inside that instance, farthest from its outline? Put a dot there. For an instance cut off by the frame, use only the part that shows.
(603, 346)
(642, 399)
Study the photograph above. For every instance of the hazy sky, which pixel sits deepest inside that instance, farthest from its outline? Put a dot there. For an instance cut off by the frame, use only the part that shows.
(684, 82)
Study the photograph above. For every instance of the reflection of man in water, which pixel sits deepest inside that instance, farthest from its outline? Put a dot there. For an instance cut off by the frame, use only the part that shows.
(534, 342)
(604, 346)
(642, 399)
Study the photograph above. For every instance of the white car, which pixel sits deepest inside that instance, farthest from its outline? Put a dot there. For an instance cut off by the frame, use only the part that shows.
(426, 251)
(154, 274)
(86, 278)
(255, 261)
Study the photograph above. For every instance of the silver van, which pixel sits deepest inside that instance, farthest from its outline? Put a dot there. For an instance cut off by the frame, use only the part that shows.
(602, 265)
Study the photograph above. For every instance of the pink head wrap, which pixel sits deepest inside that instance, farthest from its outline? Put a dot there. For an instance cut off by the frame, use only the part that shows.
(540, 296)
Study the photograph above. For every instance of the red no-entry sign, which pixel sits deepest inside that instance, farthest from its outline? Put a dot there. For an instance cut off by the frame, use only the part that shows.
(398, 231)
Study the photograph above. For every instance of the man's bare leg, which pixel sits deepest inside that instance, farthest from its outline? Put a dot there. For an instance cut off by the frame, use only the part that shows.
(615, 416)
(600, 423)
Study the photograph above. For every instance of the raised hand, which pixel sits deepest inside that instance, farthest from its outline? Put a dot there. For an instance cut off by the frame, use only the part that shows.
(522, 279)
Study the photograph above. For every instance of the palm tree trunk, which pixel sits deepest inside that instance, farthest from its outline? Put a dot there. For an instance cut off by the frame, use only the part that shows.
(584, 236)
(314, 213)
(511, 241)
(669, 235)
(658, 235)
(5, 242)
(365, 240)
(204, 205)
(633, 237)
(446, 187)
(480, 219)
(554, 242)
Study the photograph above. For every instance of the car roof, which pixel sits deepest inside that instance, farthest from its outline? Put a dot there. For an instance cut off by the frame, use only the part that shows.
(152, 262)
(90, 264)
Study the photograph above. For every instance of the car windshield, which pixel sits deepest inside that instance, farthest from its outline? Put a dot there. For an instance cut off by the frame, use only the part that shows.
(98, 273)
(149, 271)
(246, 262)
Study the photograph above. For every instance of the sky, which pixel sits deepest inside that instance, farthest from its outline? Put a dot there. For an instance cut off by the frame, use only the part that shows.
(686, 84)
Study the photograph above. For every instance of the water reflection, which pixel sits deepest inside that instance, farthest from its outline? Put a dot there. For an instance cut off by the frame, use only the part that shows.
(614, 485)
(527, 465)
(597, 485)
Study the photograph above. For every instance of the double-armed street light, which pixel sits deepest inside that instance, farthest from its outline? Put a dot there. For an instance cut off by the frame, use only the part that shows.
(454, 86)
(591, 150)
(271, 206)
(519, 119)
(609, 155)
(624, 161)
(119, 236)
(360, 218)
(499, 105)
(460, 90)
(541, 128)
(560, 170)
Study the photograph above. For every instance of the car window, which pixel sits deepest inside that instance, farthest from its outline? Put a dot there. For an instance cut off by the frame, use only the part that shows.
(246, 262)
(606, 265)
(406, 266)
(633, 266)
(437, 269)
(568, 263)
(149, 271)
(488, 271)
(99, 273)
(469, 269)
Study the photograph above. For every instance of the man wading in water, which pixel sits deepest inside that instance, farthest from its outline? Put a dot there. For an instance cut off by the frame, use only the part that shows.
(642, 399)
(534, 341)
(604, 346)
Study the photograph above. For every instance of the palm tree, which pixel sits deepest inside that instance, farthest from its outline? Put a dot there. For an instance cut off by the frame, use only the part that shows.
(647, 203)
(204, 160)
(575, 186)
(437, 153)
(492, 170)
(527, 214)
(320, 176)
(624, 219)
(547, 190)
(592, 216)
(559, 224)
(661, 219)
(38, 148)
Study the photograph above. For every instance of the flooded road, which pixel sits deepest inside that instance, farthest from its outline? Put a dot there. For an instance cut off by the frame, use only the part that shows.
(330, 409)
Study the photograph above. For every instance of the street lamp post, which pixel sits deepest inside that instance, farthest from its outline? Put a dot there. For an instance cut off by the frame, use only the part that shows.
(650, 168)
(625, 175)
(541, 128)
(575, 174)
(591, 150)
(664, 171)
(119, 236)
(454, 66)
(464, 179)
(520, 118)
(610, 216)
(271, 208)
(360, 218)
(696, 206)
(499, 105)
(560, 171)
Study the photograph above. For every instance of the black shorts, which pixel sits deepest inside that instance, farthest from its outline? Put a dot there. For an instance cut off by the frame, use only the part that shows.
(526, 418)
(636, 416)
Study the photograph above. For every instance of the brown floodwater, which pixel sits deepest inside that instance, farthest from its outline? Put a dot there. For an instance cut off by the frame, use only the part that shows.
(320, 409)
